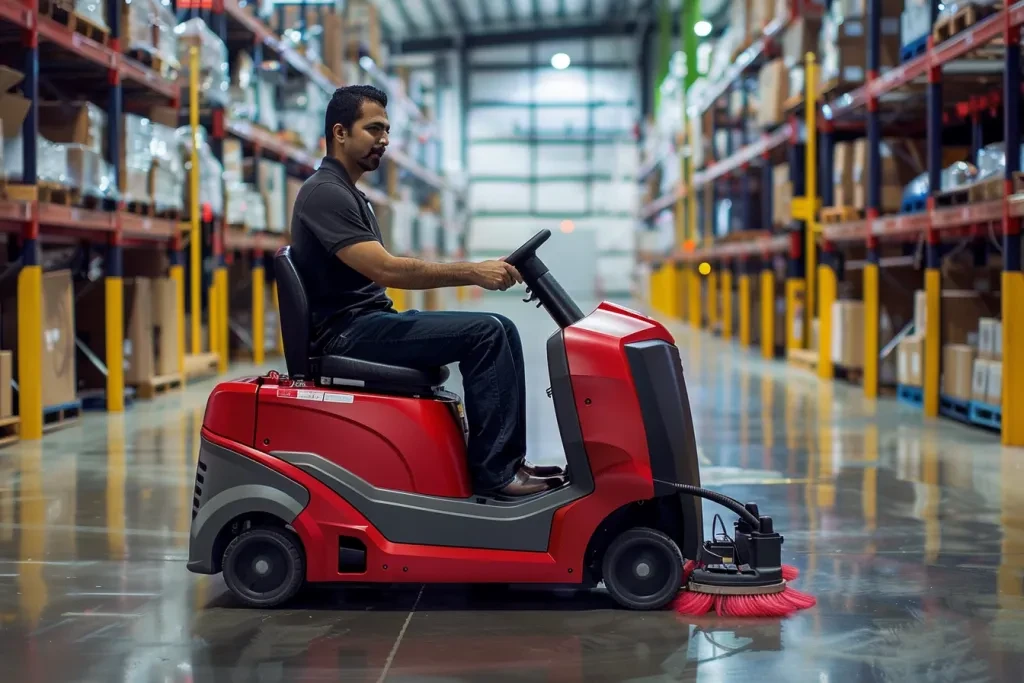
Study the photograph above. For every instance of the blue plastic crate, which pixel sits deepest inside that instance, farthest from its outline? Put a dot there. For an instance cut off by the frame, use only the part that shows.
(914, 48)
(955, 408)
(986, 415)
(913, 205)
(911, 396)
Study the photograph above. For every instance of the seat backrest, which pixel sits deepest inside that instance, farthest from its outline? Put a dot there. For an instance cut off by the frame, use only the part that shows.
(293, 311)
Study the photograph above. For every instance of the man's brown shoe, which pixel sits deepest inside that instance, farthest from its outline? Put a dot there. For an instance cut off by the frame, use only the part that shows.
(543, 470)
(525, 484)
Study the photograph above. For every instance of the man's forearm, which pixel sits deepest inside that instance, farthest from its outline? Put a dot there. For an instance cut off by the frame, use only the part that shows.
(410, 273)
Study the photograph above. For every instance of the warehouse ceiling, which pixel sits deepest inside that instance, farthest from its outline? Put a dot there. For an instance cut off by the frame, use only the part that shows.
(412, 20)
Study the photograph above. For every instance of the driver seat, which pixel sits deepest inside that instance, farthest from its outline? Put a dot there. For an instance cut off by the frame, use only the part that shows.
(293, 306)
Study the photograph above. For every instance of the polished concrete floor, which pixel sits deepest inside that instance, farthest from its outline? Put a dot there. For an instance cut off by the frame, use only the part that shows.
(909, 531)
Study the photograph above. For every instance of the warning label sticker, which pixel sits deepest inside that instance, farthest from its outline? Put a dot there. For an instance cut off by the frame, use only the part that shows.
(301, 394)
(338, 398)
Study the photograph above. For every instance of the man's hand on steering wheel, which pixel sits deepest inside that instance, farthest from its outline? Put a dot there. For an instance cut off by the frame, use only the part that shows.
(495, 275)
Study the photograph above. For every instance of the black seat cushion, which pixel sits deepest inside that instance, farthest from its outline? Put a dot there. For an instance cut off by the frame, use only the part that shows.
(361, 372)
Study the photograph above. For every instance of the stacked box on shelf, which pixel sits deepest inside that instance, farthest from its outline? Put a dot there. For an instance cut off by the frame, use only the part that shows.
(799, 38)
(901, 159)
(842, 46)
(987, 383)
(74, 132)
(150, 37)
(915, 27)
(211, 180)
(272, 186)
(13, 109)
(214, 80)
(774, 87)
(782, 195)
(243, 205)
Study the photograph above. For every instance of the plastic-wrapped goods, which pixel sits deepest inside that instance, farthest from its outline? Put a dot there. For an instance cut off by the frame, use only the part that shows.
(211, 172)
(992, 160)
(150, 29)
(214, 81)
(244, 205)
(81, 123)
(255, 209)
(302, 110)
(51, 162)
(138, 159)
(956, 175)
(266, 98)
(243, 91)
(949, 9)
(167, 174)
(94, 11)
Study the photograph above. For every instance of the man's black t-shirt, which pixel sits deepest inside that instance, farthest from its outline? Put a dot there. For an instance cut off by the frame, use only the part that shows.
(331, 213)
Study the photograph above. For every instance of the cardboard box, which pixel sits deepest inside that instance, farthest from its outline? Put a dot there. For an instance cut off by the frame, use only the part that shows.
(782, 195)
(13, 107)
(957, 371)
(920, 311)
(79, 123)
(333, 46)
(292, 187)
(994, 385)
(979, 380)
(910, 360)
(138, 335)
(138, 332)
(234, 160)
(901, 162)
(988, 330)
(272, 187)
(58, 341)
(165, 326)
(842, 174)
(961, 311)
(6, 377)
(774, 89)
(848, 334)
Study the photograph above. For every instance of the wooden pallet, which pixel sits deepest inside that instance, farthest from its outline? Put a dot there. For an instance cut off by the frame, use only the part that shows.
(139, 208)
(63, 12)
(161, 384)
(957, 197)
(155, 62)
(169, 214)
(62, 415)
(948, 26)
(804, 358)
(10, 430)
(200, 366)
(840, 214)
(851, 375)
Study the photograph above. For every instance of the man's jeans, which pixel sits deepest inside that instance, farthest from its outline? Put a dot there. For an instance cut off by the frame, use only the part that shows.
(490, 356)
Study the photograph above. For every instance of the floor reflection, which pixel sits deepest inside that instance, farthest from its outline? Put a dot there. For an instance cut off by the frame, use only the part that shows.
(910, 532)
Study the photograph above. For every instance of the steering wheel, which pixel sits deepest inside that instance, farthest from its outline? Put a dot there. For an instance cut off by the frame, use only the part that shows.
(525, 252)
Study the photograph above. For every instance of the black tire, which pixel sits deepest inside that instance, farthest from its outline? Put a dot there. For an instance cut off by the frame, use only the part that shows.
(264, 567)
(642, 569)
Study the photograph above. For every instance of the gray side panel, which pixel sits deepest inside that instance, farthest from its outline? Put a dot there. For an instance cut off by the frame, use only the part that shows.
(228, 485)
(475, 522)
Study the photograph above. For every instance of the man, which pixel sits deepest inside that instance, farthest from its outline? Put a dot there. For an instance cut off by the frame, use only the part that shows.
(340, 255)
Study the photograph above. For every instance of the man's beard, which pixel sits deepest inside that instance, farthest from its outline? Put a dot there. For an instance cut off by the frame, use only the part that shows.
(371, 161)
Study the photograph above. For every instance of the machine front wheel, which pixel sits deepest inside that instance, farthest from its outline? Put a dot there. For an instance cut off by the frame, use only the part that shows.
(264, 567)
(643, 569)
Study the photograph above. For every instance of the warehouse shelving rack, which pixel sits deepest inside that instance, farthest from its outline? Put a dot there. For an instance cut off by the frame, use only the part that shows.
(101, 73)
(862, 108)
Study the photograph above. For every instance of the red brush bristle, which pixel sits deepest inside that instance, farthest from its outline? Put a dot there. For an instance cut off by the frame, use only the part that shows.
(790, 573)
(781, 604)
(688, 568)
(693, 604)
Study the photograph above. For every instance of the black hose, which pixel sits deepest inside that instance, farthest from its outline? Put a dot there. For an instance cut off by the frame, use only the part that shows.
(721, 499)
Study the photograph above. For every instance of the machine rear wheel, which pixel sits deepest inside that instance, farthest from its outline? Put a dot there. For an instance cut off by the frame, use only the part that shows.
(264, 567)
(642, 569)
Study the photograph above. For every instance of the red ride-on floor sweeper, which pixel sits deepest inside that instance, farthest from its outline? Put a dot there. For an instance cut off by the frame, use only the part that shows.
(350, 471)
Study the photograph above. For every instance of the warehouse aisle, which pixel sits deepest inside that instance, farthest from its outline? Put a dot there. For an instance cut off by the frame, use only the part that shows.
(910, 532)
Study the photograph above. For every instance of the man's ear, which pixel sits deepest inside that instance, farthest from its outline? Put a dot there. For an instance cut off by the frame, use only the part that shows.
(339, 132)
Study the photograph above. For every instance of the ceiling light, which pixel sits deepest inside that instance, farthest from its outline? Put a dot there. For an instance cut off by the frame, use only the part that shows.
(560, 60)
(702, 28)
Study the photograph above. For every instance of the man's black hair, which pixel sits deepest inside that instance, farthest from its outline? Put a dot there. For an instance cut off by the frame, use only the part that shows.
(346, 104)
